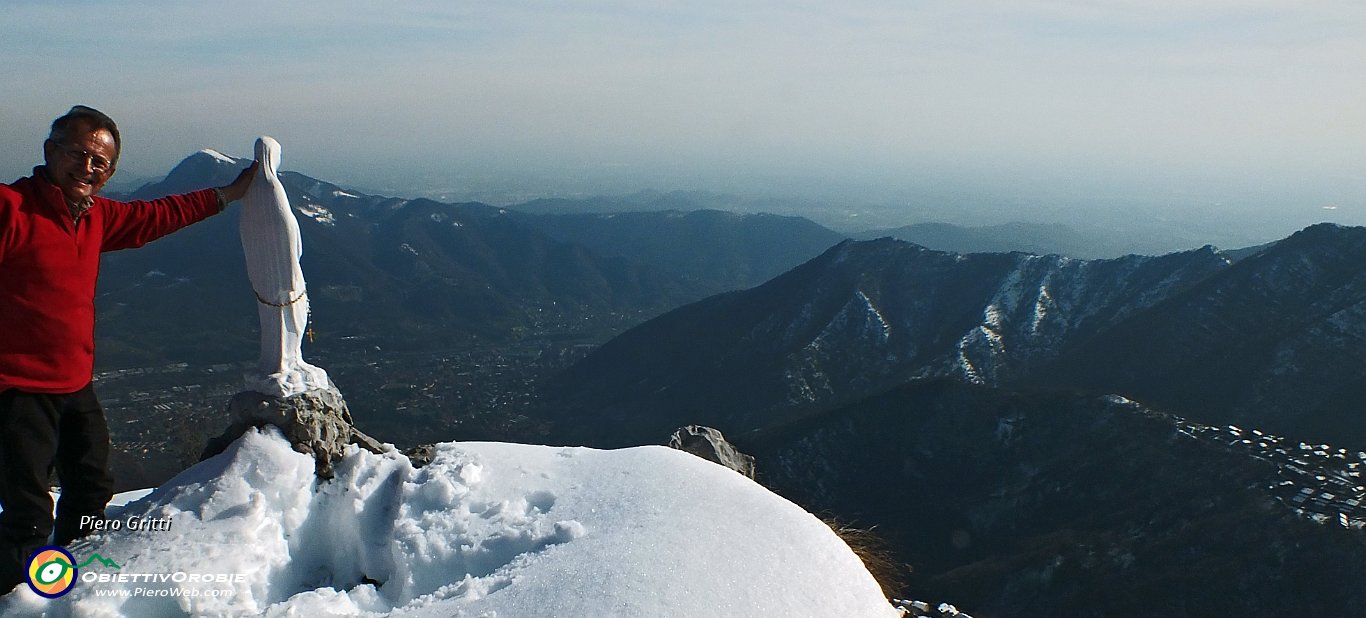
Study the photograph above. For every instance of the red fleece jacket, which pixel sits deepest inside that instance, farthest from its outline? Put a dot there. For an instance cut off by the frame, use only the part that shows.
(48, 266)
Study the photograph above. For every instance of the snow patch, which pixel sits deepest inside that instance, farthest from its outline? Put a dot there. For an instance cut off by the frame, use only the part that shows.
(317, 213)
(218, 155)
(980, 355)
(861, 314)
(1042, 302)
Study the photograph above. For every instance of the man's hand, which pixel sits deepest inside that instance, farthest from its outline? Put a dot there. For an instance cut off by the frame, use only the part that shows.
(238, 189)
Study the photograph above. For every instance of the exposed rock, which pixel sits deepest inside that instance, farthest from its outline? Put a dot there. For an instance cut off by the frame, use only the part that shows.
(316, 422)
(921, 609)
(710, 445)
(363, 440)
(421, 454)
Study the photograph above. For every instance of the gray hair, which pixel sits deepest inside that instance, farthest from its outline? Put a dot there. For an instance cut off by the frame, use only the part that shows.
(62, 126)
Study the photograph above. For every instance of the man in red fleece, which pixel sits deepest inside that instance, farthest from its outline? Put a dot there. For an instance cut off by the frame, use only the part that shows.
(53, 228)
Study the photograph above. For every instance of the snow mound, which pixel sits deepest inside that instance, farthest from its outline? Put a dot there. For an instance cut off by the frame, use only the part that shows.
(486, 529)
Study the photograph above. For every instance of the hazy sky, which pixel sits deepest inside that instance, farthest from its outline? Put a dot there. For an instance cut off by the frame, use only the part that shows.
(1051, 98)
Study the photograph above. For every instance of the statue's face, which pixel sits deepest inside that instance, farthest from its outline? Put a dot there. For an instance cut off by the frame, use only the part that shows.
(81, 163)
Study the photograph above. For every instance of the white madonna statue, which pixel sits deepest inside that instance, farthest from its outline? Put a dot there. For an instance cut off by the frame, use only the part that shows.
(270, 240)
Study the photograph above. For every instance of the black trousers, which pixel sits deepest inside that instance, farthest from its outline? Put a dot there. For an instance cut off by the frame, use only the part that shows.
(39, 433)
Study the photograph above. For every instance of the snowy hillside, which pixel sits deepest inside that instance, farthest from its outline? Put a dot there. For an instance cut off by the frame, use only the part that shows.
(486, 529)
(861, 318)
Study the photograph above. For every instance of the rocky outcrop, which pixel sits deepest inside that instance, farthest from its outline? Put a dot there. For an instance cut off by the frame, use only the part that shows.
(710, 445)
(316, 422)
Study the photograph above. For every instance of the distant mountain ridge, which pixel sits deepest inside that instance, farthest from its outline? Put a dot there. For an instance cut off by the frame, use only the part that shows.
(640, 201)
(861, 317)
(1277, 341)
(717, 249)
(1273, 340)
(206, 168)
(1035, 238)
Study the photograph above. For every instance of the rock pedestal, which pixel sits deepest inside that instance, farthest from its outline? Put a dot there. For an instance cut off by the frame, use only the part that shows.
(710, 445)
(316, 422)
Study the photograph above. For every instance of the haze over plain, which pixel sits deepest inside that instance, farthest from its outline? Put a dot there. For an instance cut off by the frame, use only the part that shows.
(1232, 121)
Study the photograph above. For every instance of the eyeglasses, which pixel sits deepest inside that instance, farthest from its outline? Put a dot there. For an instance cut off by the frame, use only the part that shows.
(98, 164)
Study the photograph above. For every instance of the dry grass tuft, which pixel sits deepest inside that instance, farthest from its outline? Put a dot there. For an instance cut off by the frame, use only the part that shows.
(889, 572)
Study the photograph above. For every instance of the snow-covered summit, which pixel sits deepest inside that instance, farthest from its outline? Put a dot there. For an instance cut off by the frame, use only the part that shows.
(486, 529)
(218, 155)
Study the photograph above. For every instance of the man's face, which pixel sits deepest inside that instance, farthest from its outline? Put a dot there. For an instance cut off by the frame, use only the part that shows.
(81, 163)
